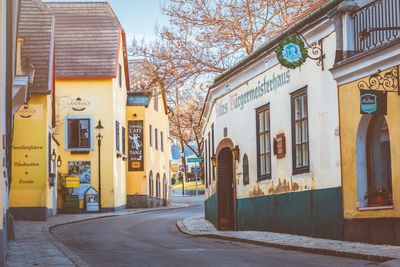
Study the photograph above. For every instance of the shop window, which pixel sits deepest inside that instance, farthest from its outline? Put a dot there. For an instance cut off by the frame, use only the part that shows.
(151, 183)
(79, 133)
(156, 138)
(117, 145)
(374, 176)
(123, 140)
(158, 185)
(300, 143)
(263, 143)
(162, 141)
(206, 162)
(209, 159)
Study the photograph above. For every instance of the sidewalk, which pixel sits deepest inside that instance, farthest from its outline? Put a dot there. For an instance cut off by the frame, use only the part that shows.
(35, 246)
(199, 226)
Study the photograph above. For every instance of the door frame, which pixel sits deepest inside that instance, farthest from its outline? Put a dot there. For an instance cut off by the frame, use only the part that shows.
(227, 143)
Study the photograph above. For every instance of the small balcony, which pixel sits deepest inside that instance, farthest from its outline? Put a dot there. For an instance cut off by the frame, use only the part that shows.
(376, 24)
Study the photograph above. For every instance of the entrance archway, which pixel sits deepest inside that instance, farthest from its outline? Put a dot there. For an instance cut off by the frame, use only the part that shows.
(225, 187)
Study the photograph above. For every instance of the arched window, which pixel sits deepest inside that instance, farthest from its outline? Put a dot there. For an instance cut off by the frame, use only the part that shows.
(158, 185)
(374, 175)
(245, 170)
(151, 183)
(164, 186)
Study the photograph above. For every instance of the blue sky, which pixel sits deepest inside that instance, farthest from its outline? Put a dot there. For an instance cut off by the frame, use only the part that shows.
(136, 16)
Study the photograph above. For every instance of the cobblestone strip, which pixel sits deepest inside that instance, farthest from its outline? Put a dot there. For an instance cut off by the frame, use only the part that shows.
(198, 226)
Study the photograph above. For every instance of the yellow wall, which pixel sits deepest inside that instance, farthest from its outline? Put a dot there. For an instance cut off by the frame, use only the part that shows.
(106, 103)
(155, 160)
(349, 106)
(32, 124)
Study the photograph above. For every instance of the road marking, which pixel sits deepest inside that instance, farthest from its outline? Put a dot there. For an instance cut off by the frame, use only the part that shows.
(191, 249)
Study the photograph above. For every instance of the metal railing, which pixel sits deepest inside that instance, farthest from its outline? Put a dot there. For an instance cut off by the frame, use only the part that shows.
(376, 24)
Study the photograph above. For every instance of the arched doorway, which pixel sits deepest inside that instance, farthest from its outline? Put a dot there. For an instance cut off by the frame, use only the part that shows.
(158, 185)
(151, 183)
(164, 190)
(225, 189)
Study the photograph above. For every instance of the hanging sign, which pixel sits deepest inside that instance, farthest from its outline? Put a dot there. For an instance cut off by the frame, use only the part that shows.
(291, 52)
(91, 200)
(373, 102)
(280, 146)
(71, 182)
(135, 145)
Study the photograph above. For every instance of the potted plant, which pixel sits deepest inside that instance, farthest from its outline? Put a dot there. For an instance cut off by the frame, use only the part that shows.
(379, 196)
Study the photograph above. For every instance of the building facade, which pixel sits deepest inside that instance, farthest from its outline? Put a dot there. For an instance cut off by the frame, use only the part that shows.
(368, 88)
(272, 132)
(91, 88)
(149, 146)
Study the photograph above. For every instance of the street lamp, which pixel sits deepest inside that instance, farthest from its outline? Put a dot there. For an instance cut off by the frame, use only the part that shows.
(59, 161)
(235, 152)
(214, 160)
(53, 155)
(99, 135)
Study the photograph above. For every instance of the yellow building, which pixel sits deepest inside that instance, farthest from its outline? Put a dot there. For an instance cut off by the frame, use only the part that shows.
(369, 111)
(91, 86)
(33, 194)
(149, 146)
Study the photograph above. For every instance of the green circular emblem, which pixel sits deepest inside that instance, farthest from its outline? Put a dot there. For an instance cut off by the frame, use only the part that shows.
(291, 52)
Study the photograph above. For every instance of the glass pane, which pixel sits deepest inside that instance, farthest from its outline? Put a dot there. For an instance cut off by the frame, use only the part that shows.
(267, 143)
(304, 107)
(297, 108)
(299, 162)
(304, 129)
(298, 132)
(83, 133)
(268, 164)
(262, 144)
(305, 154)
(267, 120)
(261, 121)
(262, 164)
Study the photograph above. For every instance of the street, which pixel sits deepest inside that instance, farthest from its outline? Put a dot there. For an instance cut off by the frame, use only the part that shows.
(152, 239)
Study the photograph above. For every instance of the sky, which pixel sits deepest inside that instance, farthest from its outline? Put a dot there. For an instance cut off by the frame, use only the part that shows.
(137, 17)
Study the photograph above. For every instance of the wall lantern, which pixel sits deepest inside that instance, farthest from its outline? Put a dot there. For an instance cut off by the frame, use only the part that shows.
(52, 176)
(214, 160)
(28, 69)
(53, 155)
(235, 152)
(59, 161)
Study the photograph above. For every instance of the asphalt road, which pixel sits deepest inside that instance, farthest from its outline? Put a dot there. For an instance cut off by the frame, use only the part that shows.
(152, 239)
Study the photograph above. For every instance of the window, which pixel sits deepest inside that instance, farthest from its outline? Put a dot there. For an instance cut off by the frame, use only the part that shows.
(119, 75)
(209, 157)
(123, 140)
(263, 143)
(151, 183)
(213, 151)
(117, 136)
(155, 99)
(151, 135)
(162, 141)
(300, 146)
(156, 137)
(79, 133)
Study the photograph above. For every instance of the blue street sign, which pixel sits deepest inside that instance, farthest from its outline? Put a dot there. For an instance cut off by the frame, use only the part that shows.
(195, 169)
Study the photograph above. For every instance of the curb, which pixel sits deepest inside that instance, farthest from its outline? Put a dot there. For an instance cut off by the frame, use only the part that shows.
(72, 256)
(183, 229)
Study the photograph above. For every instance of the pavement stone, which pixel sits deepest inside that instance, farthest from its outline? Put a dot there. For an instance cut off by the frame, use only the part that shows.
(35, 246)
(388, 255)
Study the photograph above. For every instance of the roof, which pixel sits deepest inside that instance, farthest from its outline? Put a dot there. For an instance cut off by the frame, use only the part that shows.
(87, 39)
(35, 26)
(139, 74)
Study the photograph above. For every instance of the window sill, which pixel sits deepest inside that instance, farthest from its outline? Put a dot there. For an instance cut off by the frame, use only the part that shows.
(86, 151)
(376, 208)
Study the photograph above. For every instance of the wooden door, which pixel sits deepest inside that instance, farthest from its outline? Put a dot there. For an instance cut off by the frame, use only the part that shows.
(225, 190)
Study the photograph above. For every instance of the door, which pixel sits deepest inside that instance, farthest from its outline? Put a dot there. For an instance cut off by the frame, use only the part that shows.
(225, 190)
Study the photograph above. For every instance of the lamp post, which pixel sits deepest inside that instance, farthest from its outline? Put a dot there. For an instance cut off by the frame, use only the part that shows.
(99, 135)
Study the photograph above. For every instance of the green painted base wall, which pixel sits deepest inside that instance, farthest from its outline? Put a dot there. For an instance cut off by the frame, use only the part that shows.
(211, 209)
(315, 213)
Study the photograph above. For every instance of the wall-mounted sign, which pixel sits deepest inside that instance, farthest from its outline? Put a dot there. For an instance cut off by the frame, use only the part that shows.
(175, 167)
(82, 170)
(373, 102)
(280, 146)
(291, 52)
(91, 200)
(31, 112)
(135, 145)
(72, 182)
(79, 103)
